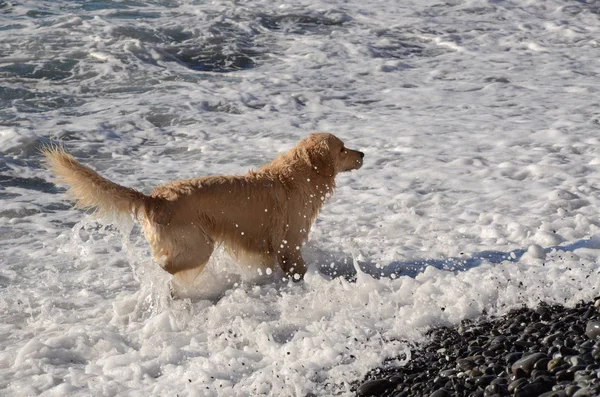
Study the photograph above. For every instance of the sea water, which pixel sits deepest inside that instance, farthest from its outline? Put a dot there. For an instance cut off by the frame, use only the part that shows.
(479, 193)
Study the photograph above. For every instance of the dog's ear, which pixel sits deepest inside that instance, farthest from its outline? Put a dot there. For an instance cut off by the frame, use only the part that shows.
(319, 155)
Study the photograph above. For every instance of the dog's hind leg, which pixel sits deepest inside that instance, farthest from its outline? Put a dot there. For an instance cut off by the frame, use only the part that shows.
(188, 256)
(188, 276)
(189, 259)
(182, 282)
(184, 248)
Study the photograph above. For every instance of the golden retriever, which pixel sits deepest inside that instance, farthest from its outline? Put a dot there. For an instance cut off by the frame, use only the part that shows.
(262, 218)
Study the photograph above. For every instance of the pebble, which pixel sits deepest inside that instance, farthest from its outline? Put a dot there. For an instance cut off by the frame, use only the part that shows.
(584, 392)
(495, 389)
(526, 363)
(440, 393)
(516, 385)
(554, 393)
(554, 364)
(448, 373)
(499, 381)
(549, 351)
(373, 387)
(532, 389)
(464, 364)
(592, 329)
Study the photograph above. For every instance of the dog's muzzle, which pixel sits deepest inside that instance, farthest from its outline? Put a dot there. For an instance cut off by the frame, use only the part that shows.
(359, 161)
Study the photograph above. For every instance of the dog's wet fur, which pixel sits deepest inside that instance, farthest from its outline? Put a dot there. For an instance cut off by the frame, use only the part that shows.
(262, 217)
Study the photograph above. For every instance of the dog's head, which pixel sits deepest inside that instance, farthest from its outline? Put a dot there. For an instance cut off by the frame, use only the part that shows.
(328, 154)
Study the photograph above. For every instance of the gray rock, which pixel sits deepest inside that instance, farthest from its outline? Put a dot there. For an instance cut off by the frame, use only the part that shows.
(592, 329)
(448, 373)
(576, 360)
(465, 364)
(495, 389)
(583, 392)
(517, 384)
(571, 390)
(563, 375)
(554, 393)
(526, 363)
(373, 387)
(500, 381)
(533, 389)
(554, 357)
(554, 364)
(440, 393)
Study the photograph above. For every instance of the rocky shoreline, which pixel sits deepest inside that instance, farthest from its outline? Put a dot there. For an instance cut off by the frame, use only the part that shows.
(548, 351)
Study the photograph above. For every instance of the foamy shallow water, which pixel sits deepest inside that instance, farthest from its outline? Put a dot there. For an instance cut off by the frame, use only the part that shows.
(479, 190)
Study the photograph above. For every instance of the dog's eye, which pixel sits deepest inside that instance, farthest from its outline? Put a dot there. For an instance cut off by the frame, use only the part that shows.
(343, 150)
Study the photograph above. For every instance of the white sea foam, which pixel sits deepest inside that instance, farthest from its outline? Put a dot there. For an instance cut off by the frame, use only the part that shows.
(479, 191)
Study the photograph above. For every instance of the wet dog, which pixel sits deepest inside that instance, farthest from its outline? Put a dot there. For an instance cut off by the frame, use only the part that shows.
(262, 217)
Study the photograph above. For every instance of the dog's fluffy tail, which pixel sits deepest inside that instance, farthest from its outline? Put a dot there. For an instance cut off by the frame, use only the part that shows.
(90, 190)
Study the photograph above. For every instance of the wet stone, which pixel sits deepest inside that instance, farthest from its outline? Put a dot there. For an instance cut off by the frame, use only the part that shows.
(541, 364)
(567, 351)
(464, 364)
(536, 373)
(532, 389)
(477, 393)
(553, 364)
(522, 345)
(584, 392)
(448, 373)
(576, 360)
(512, 357)
(495, 389)
(485, 380)
(527, 362)
(500, 381)
(373, 387)
(440, 393)
(416, 387)
(479, 360)
(547, 341)
(396, 379)
(475, 373)
(563, 375)
(590, 313)
(519, 373)
(554, 393)
(516, 385)
(576, 328)
(576, 368)
(592, 329)
(546, 352)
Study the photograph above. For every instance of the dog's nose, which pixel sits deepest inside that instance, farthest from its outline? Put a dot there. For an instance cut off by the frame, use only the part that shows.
(362, 155)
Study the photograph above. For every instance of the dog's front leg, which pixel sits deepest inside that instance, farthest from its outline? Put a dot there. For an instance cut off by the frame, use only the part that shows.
(292, 263)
